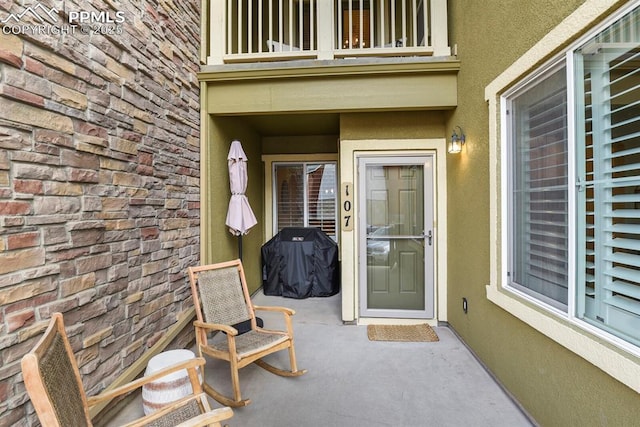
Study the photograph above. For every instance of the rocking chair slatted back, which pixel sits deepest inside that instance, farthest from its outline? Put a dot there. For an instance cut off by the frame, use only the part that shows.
(52, 379)
(50, 370)
(66, 395)
(222, 296)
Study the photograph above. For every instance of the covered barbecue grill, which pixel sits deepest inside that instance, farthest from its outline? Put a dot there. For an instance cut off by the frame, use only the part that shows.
(300, 263)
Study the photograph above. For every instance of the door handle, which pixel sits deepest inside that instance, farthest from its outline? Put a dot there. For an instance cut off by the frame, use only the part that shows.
(429, 237)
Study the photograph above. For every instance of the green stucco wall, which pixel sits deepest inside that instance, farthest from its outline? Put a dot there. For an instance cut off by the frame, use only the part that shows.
(392, 125)
(220, 244)
(300, 144)
(554, 385)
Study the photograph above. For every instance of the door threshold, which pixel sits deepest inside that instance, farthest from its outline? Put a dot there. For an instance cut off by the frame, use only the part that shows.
(363, 321)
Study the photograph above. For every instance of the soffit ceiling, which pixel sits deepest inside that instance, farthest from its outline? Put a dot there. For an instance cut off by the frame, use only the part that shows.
(295, 124)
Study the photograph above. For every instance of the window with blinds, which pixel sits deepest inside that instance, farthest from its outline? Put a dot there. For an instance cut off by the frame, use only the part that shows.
(289, 191)
(597, 165)
(608, 91)
(539, 190)
(306, 196)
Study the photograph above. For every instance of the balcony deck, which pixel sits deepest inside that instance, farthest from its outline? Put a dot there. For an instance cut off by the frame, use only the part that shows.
(356, 382)
(282, 30)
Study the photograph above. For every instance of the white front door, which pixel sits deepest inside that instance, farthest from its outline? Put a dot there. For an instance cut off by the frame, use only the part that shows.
(396, 236)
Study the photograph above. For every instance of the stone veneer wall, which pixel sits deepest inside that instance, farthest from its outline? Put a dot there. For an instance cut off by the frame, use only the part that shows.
(99, 185)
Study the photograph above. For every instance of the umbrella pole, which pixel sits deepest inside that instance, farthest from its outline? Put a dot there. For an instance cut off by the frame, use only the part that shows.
(240, 247)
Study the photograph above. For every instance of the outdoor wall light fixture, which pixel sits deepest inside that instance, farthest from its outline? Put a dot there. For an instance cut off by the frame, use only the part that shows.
(457, 140)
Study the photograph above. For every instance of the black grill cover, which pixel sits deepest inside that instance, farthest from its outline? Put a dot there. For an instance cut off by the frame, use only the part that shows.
(300, 263)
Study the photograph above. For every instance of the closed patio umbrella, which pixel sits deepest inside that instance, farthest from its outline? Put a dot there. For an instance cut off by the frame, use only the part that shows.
(240, 217)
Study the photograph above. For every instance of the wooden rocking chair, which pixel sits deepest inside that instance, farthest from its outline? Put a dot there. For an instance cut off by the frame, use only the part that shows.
(53, 382)
(222, 300)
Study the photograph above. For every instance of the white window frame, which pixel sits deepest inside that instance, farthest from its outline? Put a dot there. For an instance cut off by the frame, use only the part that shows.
(617, 357)
(269, 197)
(305, 189)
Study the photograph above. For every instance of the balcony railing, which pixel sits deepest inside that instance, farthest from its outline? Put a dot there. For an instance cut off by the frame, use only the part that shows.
(276, 30)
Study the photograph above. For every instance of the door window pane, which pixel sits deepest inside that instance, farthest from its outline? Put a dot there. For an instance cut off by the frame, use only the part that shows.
(394, 211)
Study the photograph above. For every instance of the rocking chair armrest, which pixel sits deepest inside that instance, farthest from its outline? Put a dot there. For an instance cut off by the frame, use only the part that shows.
(229, 330)
(214, 416)
(190, 364)
(284, 310)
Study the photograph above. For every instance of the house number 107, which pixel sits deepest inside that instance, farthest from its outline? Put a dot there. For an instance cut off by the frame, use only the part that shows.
(347, 206)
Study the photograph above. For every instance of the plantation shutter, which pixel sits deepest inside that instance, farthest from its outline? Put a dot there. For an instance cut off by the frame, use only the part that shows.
(321, 194)
(611, 292)
(539, 191)
(289, 196)
(306, 196)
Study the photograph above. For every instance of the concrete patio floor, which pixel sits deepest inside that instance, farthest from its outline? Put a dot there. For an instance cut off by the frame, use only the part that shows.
(354, 382)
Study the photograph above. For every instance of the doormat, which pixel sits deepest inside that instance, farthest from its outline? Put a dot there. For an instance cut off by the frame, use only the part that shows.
(406, 333)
